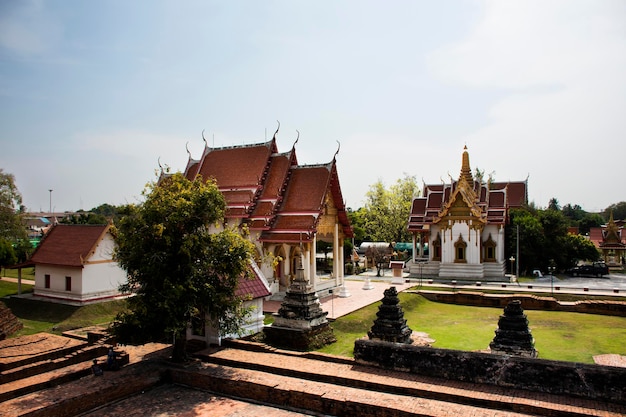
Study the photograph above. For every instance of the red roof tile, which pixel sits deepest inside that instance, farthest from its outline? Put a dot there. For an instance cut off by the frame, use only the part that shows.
(236, 166)
(68, 245)
(307, 189)
(253, 288)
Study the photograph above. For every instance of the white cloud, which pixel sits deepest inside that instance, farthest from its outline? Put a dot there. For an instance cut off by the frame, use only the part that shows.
(561, 66)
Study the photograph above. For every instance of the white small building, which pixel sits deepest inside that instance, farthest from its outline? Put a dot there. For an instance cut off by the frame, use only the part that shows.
(74, 263)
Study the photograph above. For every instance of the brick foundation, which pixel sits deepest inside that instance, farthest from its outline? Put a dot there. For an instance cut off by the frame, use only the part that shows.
(554, 377)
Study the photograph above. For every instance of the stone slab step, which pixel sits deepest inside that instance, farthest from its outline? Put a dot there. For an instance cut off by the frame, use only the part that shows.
(378, 380)
(49, 363)
(64, 372)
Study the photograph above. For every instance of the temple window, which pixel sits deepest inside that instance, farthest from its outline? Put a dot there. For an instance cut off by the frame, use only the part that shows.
(459, 250)
(489, 250)
(437, 248)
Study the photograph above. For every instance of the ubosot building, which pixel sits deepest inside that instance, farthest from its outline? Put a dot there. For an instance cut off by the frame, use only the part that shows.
(286, 207)
(463, 224)
(610, 240)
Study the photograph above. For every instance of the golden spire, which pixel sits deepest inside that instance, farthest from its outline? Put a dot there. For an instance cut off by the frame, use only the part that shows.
(466, 171)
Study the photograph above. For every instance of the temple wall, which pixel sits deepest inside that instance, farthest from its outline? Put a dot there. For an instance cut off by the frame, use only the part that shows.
(555, 377)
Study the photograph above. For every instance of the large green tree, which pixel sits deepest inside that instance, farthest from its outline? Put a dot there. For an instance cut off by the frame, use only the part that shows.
(386, 211)
(618, 210)
(544, 239)
(179, 269)
(12, 231)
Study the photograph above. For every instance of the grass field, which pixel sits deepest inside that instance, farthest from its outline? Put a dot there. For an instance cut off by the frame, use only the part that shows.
(564, 336)
(10, 288)
(27, 273)
(41, 316)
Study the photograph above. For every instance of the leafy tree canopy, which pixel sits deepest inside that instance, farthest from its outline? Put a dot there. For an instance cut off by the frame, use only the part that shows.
(386, 211)
(12, 231)
(84, 217)
(178, 269)
(618, 210)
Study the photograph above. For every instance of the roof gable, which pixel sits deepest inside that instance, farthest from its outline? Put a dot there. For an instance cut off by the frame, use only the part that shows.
(69, 245)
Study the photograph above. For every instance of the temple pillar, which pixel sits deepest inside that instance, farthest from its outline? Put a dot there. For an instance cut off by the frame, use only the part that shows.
(313, 269)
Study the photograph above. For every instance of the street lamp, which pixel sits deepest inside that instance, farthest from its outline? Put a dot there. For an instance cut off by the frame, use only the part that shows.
(512, 259)
(551, 269)
(420, 264)
(50, 211)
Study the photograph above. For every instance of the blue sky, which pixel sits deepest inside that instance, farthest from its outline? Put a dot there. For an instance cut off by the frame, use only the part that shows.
(93, 93)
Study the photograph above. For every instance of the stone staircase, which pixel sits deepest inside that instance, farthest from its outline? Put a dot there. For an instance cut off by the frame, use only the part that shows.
(32, 363)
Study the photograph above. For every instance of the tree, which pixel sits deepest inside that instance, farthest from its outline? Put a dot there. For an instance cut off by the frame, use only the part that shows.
(386, 211)
(12, 230)
(580, 248)
(553, 204)
(178, 268)
(84, 217)
(531, 239)
(618, 209)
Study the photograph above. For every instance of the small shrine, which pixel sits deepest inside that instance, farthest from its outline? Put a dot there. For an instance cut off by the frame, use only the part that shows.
(390, 324)
(612, 246)
(513, 337)
(300, 323)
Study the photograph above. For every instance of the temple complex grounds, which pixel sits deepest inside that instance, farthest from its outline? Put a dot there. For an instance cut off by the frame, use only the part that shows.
(558, 335)
(318, 381)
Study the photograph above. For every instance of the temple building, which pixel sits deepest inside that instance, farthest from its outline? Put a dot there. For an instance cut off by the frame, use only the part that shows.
(611, 242)
(286, 207)
(463, 225)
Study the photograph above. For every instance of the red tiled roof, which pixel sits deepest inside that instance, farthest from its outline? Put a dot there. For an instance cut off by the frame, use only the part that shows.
(236, 166)
(270, 236)
(253, 288)
(307, 189)
(494, 199)
(68, 245)
(294, 223)
(279, 167)
(260, 184)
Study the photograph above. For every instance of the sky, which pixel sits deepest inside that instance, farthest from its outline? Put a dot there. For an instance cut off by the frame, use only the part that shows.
(94, 95)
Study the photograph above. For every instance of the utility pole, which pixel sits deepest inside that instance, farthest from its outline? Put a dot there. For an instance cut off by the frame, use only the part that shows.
(517, 249)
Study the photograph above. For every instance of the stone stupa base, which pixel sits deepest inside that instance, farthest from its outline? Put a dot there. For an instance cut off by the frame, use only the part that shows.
(299, 339)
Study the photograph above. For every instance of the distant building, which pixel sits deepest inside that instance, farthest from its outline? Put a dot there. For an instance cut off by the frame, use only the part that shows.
(287, 208)
(610, 240)
(74, 263)
(463, 225)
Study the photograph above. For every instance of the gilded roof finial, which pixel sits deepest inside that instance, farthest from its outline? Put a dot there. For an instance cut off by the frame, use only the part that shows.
(466, 171)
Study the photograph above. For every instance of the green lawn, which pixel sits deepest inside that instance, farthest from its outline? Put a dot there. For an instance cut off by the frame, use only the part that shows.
(27, 273)
(10, 288)
(41, 316)
(561, 336)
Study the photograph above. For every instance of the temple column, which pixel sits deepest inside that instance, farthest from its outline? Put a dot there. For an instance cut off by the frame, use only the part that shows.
(313, 268)
(336, 256)
(306, 265)
(414, 254)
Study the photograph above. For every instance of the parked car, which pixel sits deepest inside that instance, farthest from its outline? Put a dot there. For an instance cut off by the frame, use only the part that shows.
(596, 269)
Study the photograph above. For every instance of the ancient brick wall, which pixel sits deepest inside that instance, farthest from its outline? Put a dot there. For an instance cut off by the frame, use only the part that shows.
(529, 302)
(555, 377)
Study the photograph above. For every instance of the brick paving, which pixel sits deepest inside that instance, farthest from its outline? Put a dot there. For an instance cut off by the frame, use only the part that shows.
(176, 400)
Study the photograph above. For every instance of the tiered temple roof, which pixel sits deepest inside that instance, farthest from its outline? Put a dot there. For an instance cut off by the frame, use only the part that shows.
(494, 199)
(270, 192)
